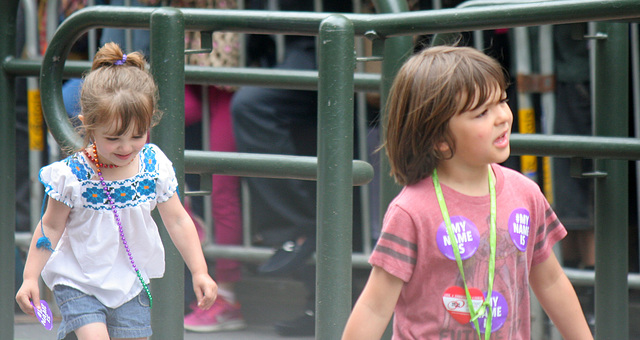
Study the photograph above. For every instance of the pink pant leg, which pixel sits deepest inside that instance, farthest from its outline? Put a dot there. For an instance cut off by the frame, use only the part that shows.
(225, 195)
(192, 107)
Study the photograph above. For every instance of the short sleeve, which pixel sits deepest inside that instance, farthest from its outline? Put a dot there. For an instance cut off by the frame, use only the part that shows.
(547, 234)
(396, 250)
(60, 179)
(167, 183)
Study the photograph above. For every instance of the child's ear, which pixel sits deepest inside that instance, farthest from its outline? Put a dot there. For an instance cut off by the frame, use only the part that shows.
(445, 149)
(81, 118)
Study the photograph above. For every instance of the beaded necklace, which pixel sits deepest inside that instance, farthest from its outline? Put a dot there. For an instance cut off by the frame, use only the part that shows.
(94, 159)
(117, 217)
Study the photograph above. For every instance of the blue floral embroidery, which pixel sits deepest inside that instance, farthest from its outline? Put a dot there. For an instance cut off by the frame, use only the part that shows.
(146, 187)
(149, 159)
(94, 195)
(77, 168)
(124, 194)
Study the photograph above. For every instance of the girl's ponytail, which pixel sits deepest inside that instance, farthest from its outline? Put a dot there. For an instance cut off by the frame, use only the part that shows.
(112, 55)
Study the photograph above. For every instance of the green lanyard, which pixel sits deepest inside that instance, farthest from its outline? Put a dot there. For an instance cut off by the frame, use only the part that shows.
(475, 314)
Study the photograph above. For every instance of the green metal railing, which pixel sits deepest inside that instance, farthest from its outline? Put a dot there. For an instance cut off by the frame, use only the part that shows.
(167, 66)
(334, 170)
(612, 206)
(8, 21)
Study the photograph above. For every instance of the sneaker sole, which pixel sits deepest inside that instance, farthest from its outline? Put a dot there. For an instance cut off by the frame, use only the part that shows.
(227, 326)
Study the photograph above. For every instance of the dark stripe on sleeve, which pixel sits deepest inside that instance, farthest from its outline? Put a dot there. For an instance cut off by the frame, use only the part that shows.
(400, 241)
(553, 225)
(547, 230)
(395, 254)
(548, 212)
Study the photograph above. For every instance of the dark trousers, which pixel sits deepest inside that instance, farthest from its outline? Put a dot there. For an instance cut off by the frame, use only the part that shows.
(276, 121)
(574, 196)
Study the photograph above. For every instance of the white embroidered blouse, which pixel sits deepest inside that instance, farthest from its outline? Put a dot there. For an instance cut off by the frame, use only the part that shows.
(90, 255)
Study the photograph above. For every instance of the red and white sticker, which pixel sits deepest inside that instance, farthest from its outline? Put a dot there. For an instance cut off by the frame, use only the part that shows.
(455, 302)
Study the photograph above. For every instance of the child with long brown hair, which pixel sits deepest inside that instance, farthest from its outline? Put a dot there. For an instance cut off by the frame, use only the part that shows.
(465, 238)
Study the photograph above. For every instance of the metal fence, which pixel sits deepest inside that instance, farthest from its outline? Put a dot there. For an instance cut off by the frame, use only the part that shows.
(334, 169)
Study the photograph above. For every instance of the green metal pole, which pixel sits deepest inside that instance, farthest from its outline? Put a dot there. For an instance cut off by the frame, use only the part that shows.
(395, 51)
(167, 66)
(336, 58)
(7, 169)
(611, 103)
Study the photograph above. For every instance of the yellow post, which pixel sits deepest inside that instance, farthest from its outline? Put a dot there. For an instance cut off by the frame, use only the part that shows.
(36, 121)
(527, 124)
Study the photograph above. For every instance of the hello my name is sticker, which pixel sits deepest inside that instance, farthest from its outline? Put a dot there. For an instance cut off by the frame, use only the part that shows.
(466, 234)
(519, 226)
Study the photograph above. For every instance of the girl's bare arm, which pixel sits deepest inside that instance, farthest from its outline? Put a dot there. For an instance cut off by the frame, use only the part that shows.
(53, 222)
(184, 235)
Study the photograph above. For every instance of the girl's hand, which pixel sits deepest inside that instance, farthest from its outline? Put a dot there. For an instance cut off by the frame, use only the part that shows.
(29, 291)
(206, 290)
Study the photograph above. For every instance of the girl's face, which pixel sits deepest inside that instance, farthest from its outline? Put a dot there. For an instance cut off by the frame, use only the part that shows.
(119, 150)
(482, 135)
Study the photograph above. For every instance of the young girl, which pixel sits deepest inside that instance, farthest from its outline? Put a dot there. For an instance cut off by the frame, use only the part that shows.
(464, 240)
(106, 246)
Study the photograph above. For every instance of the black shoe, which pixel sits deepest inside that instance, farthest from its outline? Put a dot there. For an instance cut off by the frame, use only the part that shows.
(304, 325)
(288, 257)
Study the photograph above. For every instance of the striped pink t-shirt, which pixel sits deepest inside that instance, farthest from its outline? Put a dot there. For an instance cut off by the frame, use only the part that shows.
(414, 246)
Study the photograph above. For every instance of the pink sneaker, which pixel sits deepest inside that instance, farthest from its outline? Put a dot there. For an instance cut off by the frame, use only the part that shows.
(222, 316)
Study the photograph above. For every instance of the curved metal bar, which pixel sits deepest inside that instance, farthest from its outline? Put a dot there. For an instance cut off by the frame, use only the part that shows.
(57, 53)
(386, 25)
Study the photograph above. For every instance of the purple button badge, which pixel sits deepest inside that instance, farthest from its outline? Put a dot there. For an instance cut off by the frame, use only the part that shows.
(519, 226)
(500, 311)
(465, 232)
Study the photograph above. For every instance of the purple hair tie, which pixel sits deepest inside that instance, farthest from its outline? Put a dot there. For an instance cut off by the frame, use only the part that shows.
(122, 61)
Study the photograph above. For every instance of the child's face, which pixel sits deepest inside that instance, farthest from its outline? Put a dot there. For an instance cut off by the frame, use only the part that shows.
(482, 135)
(119, 150)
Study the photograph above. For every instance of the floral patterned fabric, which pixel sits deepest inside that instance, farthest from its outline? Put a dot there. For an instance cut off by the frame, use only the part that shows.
(90, 256)
(127, 192)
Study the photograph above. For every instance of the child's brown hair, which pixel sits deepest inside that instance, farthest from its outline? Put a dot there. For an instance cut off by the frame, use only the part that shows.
(431, 87)
(120, 89)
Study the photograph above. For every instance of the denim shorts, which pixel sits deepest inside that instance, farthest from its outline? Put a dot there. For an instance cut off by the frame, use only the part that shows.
(131, 320)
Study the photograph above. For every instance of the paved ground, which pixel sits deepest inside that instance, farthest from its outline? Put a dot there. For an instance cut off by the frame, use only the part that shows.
(265, 301)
